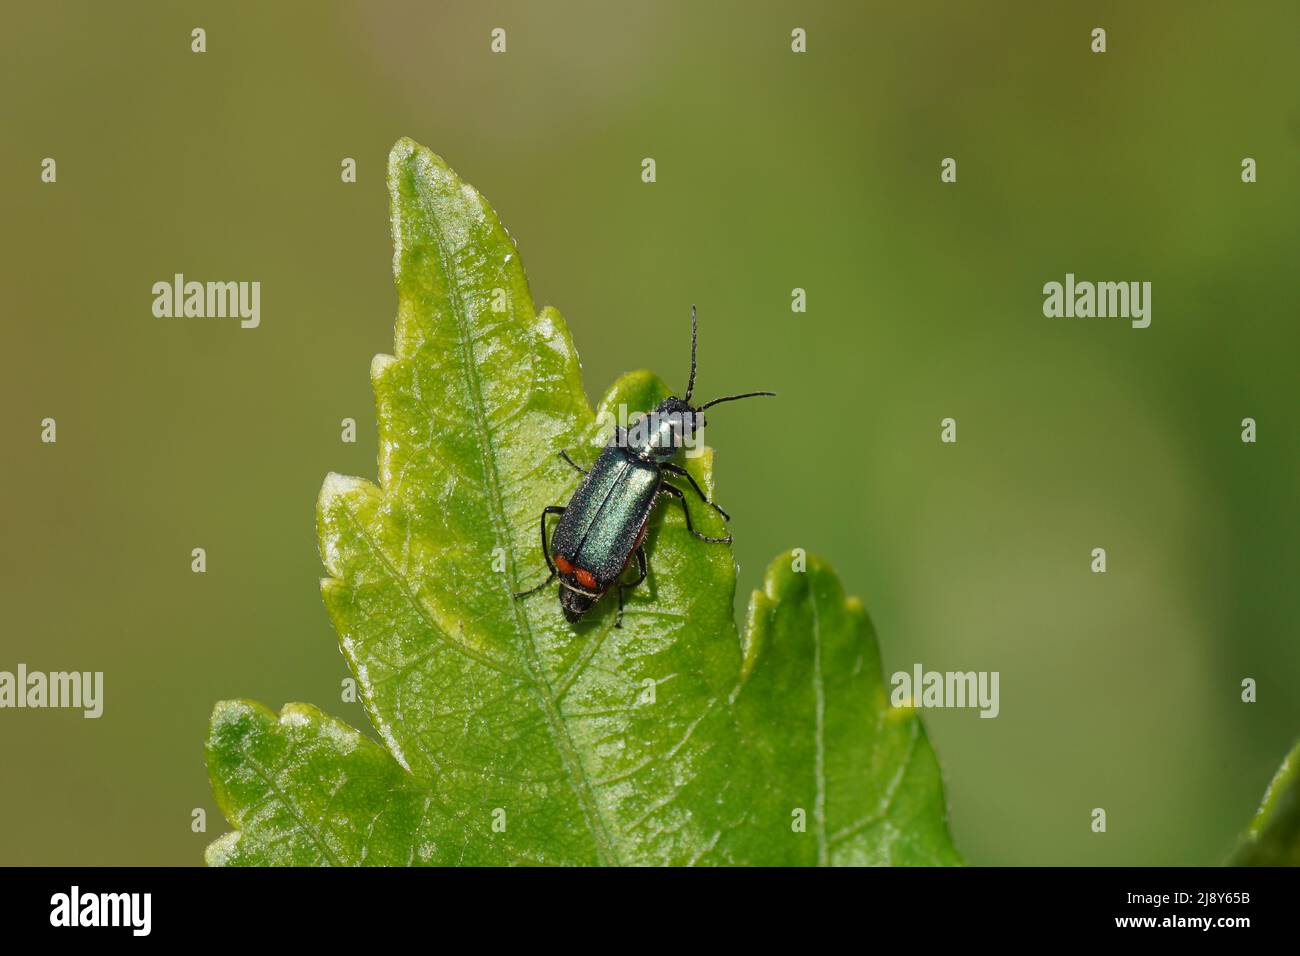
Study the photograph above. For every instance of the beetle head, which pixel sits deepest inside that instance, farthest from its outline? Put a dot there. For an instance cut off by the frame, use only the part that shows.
(676, 423)
(574, 604)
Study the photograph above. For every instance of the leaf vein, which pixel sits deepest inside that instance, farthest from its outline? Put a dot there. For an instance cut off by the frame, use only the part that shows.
(496, 508)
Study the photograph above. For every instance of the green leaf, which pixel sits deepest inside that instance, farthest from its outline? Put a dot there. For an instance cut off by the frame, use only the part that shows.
(813, 705)
(304, 789)
(511, 736)
(1273, 837)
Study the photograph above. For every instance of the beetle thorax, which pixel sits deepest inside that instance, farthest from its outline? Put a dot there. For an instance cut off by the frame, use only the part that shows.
(657, 436)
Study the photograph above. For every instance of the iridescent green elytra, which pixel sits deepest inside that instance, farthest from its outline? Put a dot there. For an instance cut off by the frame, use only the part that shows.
(603, 526)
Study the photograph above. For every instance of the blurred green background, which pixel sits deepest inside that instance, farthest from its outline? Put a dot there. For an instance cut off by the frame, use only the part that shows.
(775, 171)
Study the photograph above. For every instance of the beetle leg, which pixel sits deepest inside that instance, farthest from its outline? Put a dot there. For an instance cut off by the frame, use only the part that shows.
(679, 470)
(640, 564)
(680, 495)
(546, 551)
(565, 455)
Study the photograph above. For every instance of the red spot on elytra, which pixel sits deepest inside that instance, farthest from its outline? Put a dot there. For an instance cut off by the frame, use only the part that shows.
(584, 577)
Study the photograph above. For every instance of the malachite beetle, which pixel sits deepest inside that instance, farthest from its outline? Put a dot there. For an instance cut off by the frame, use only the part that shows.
(603, 526)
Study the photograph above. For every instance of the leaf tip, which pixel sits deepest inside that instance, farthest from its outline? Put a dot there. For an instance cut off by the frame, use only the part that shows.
(232, 723)
(235, 715)
(408, 154)
(379, 364)
(789, 577)
(789, 574)
(338, 485)
(339, 497)
(221, 851)
(404, 147)
(1273, 836)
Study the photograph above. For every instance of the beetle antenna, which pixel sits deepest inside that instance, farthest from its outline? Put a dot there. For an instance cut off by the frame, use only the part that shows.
(690, 385)
(732, 398)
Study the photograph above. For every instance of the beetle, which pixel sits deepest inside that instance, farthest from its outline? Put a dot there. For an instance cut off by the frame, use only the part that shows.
(603, 526)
